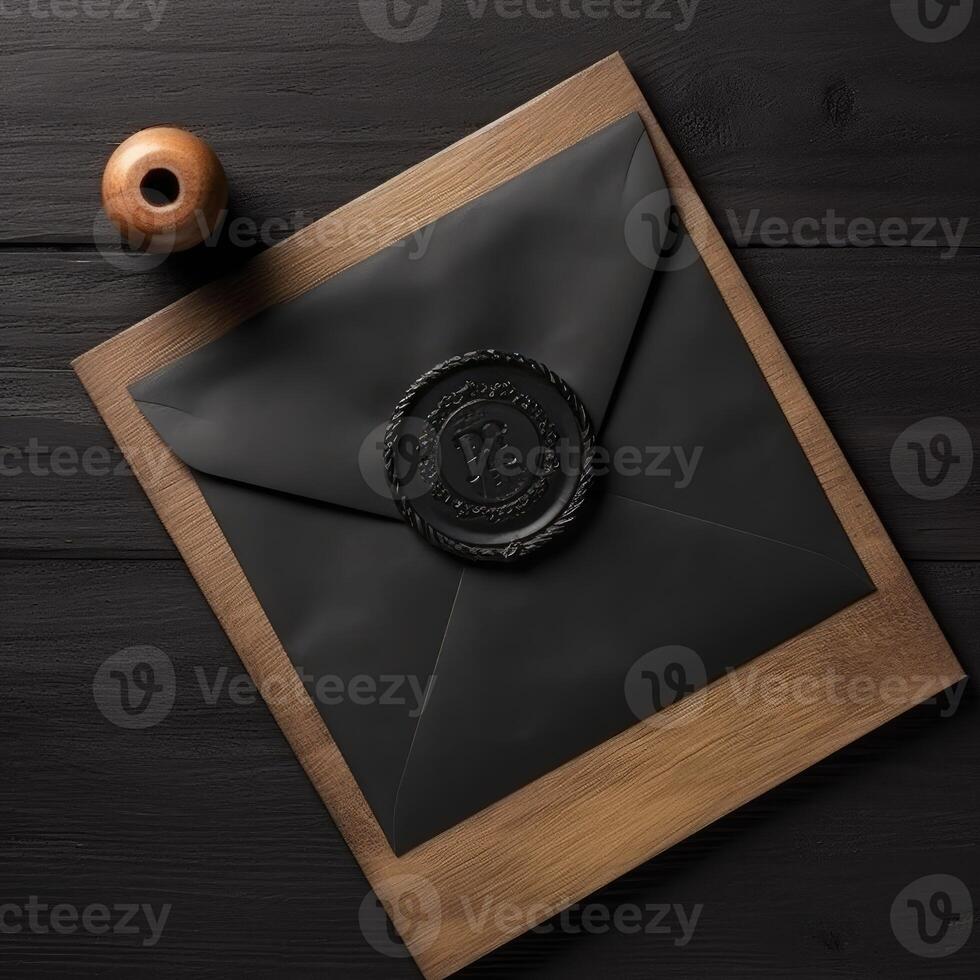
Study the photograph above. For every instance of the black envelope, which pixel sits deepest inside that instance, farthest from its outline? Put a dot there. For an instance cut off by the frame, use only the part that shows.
(282, 419)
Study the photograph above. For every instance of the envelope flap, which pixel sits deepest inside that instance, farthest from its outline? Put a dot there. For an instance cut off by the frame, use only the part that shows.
(296, 399)
(715, 443)
(524, 688)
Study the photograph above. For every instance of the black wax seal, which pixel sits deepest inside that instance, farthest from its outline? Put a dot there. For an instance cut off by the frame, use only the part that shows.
(489, 455)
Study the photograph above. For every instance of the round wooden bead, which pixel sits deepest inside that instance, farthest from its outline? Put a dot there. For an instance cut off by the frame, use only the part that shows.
(165, 189)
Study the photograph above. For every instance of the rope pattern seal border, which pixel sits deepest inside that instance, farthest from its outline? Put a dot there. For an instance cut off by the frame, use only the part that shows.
(522, 547)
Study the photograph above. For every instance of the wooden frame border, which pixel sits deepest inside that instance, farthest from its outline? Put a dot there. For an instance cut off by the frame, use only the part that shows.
(572, 831)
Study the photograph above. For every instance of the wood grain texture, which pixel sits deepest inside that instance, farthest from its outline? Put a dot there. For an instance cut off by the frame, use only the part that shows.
(208, 811)
(783, 105)
(787, 106)
(579, 827)
(883, 336)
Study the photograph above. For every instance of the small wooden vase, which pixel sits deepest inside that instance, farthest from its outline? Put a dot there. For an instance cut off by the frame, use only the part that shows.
(164, 189)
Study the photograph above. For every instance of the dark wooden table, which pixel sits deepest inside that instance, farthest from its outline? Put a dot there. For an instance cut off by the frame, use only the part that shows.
(781, 109)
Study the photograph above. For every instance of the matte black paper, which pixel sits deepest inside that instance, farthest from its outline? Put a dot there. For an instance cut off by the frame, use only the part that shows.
(281, 422)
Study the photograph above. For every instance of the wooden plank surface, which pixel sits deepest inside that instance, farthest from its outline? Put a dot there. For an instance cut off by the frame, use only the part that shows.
(795, 108)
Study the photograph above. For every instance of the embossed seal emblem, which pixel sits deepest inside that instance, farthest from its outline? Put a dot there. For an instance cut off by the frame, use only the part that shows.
(489, 455)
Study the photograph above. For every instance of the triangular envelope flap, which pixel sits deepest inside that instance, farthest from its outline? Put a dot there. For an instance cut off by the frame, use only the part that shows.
(696, 429)
(544, 663)
(296, 398)
(360, 606)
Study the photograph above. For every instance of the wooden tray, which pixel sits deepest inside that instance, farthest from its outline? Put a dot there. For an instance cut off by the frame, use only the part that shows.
(547, 846)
